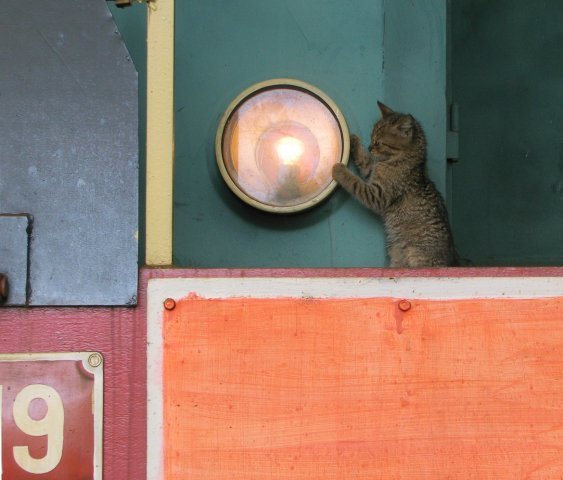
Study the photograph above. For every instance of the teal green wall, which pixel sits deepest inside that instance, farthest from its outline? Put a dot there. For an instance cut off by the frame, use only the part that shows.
(223, 47)
(507, 188)
(356, 52)
(414, 75)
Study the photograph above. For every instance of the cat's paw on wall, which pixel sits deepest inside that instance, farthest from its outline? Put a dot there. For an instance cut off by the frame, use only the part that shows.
(338, 171)
(355, 144)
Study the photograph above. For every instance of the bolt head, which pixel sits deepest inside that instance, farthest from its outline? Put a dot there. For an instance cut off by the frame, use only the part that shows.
(95, 360)
(404, 305)
(169, 304)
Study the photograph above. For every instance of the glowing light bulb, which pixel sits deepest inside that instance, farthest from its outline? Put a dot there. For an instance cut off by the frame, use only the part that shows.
(290, 150)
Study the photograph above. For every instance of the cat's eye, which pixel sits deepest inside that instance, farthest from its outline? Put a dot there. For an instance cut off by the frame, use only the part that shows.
(276, 145)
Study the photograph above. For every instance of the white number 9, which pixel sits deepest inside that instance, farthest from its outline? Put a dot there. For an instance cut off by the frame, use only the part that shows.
(52, 425)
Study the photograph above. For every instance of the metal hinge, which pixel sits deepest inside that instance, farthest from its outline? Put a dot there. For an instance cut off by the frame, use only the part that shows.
(452, 136)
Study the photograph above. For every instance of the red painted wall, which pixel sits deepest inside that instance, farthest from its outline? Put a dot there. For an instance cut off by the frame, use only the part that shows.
(120, 335)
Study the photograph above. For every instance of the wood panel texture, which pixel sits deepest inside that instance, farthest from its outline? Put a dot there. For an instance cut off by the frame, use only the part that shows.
(515, 362)
(359, 389)
(120, 335)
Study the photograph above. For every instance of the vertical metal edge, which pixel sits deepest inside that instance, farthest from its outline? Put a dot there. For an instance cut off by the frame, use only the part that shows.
(155, 415)
(28, 289)
(97, 409)
(18, 281)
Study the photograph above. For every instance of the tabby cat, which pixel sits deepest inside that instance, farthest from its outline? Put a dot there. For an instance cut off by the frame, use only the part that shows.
(396, 187)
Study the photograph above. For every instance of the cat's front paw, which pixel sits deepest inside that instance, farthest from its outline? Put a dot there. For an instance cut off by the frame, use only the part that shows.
(338, 171)
(355, 144)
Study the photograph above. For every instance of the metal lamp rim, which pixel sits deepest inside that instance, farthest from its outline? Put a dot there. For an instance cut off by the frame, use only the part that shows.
(268, 85)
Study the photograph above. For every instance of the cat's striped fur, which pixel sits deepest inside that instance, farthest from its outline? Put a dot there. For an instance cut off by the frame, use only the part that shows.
(396, 187)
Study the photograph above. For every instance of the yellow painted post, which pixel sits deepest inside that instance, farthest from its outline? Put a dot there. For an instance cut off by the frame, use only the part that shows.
(160, 132)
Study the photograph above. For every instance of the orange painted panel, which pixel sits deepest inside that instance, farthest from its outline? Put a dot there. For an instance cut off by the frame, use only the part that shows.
(358, 389)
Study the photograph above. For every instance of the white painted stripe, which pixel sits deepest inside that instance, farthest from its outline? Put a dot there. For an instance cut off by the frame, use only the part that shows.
(435, 288)
(155, 447)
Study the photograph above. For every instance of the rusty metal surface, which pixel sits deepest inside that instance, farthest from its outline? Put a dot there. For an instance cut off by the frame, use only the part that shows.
(13, 257)
(69, 148)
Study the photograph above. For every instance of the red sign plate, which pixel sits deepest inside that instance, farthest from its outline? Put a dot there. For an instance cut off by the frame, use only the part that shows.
(51, 416)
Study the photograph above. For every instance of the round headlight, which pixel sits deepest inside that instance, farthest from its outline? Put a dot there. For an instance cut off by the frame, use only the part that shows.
(276, 145)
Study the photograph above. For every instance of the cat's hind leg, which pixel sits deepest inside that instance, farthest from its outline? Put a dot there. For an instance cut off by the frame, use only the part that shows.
(419, 258)
(396, 257)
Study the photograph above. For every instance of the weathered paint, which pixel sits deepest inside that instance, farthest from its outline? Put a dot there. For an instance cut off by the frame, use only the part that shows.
(160, 132)
(67, 442)
(120, 335)
(69, 148)
(320, 387)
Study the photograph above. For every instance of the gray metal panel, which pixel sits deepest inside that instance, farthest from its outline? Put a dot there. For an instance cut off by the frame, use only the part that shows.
(13, 256)
(69, 148)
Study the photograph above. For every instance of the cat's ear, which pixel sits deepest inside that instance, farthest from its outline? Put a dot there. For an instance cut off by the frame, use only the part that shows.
(384, 109)
(406, 126)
